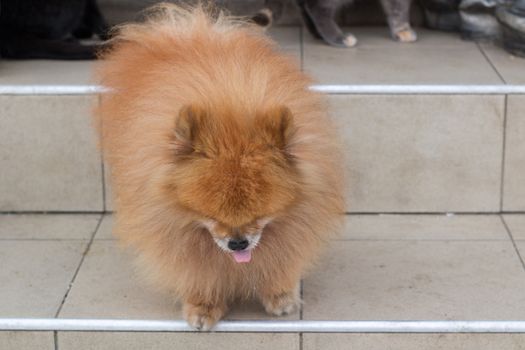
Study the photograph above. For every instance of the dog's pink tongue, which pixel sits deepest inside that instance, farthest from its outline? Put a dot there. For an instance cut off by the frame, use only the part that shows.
(242, 256)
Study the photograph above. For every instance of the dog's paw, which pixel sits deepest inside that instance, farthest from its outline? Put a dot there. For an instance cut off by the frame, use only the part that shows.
(283, 304)
(346, 40)
(202, 317)
(406, 36)
(263, 18)
(349, 40)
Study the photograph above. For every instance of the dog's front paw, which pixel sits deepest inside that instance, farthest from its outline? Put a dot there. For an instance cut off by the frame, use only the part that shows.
(282, 304)
(203, 317)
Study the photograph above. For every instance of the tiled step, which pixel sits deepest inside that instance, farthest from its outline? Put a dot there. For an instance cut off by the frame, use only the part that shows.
(383, 268)
(435, 126)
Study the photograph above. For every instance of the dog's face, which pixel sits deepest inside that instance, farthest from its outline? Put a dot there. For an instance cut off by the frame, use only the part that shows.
(234, 172)
(238, 241)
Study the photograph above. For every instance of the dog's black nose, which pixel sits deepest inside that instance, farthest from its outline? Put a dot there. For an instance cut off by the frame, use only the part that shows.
(238, 244)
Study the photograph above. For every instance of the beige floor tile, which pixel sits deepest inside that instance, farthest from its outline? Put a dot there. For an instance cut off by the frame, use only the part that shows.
(513, 187)
(516, 225)
(27, 341)
(421, 153)
(520, 244)
(49, 156)
(521, 248)
(511, 68)
(46, 72)
(288, 39)
(417, 280)
(48, 226)
(107, 188)
(175, 341)
(424, 227)
(105, 231)
(413, 341)
(108, 286)
(35, 275)
(397, 64)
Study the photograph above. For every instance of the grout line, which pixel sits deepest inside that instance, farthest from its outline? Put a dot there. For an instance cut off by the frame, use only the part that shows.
(301, 296)
(79, 265)
(502, 184)
(513, 241)
(490, 63)
(102, 166)
(104, 195)
(301, 313)
(104, 199)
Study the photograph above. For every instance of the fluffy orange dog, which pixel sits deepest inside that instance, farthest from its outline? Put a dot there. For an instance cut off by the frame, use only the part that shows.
(226, 168)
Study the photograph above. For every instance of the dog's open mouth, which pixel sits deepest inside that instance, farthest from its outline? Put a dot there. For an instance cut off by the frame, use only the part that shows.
(242, 256)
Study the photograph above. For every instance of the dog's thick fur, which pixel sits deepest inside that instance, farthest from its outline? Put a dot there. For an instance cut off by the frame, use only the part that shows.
(206, 120)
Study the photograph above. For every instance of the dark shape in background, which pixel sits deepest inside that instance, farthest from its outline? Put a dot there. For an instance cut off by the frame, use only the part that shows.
(50, 29)
(497, 20)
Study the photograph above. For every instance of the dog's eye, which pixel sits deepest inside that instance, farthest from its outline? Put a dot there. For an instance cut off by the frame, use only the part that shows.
(262, 222)
(256, 227)
(210, 224)
(251, 230)
(200, 154)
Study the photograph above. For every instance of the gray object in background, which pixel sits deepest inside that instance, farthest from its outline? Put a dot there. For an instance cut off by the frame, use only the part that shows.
(478, 20)
(496, 20)
(442, 14)
(512, 20)
(363, 12)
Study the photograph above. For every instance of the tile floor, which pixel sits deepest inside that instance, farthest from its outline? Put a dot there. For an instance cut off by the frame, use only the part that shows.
(436, 58)
(383, 267)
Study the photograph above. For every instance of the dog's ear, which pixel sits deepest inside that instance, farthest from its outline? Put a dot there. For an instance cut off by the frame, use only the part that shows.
(187, 126)
(276, 126)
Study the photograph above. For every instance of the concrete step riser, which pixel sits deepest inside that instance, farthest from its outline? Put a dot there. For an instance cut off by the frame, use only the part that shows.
(404, 153)
(174, 341)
